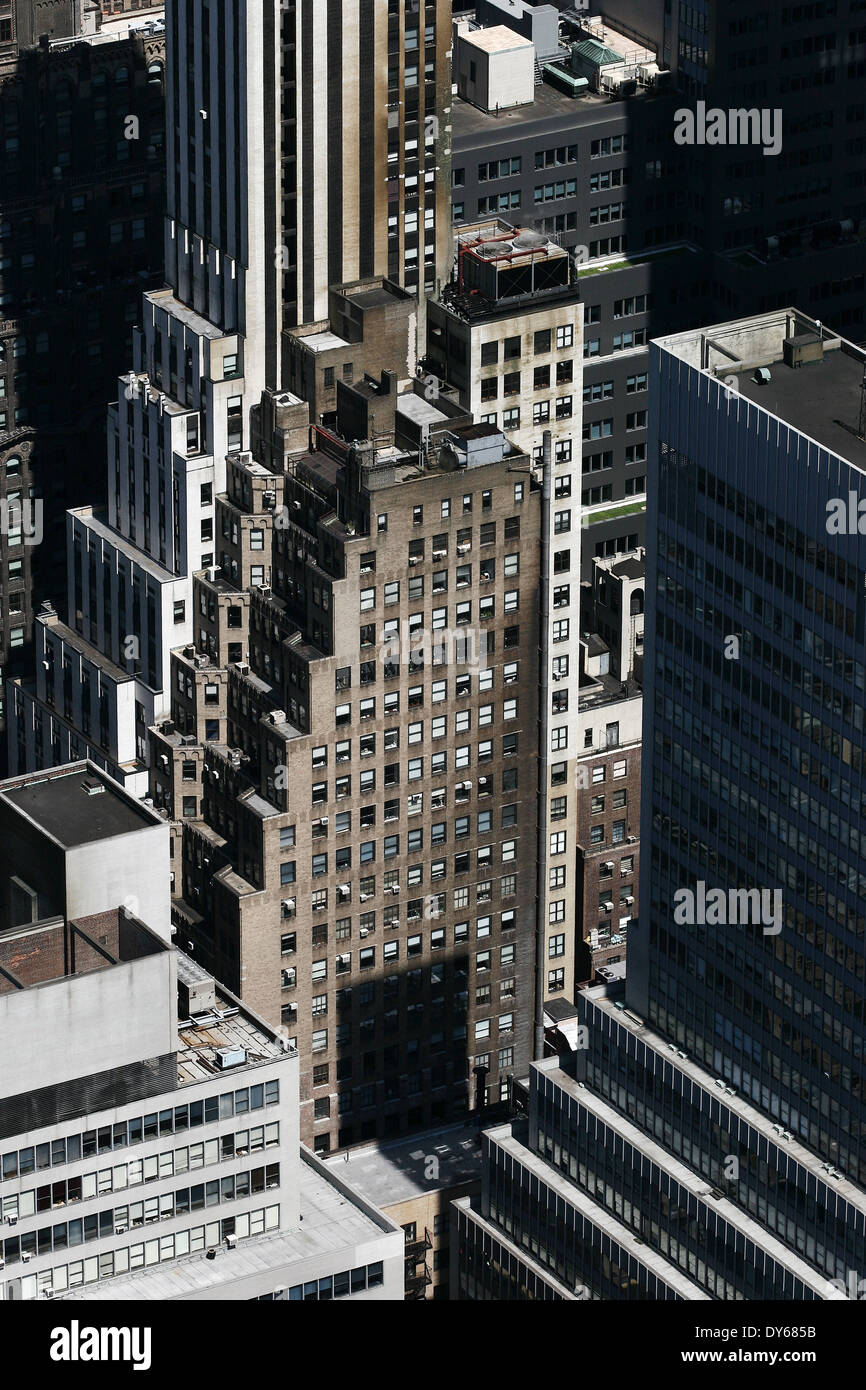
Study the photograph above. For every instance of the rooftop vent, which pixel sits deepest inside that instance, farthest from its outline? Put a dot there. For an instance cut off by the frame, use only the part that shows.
(92, 788)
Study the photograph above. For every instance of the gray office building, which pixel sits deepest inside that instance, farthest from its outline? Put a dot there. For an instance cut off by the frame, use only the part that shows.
(714, 1104)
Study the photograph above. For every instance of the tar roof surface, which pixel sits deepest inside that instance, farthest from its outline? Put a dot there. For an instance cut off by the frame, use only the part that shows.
(815, 399)
(62, 808)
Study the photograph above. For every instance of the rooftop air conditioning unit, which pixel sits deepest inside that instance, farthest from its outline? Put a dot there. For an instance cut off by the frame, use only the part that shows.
(230, 1057)
(231, 1242)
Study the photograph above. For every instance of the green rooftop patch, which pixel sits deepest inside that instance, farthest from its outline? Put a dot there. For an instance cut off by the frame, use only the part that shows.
(614, 512)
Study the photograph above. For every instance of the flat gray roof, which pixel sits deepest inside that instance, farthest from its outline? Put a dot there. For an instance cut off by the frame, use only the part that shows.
(551, 112)
(388, 1173)
(819, 399)
(59, 803)
(421, 411)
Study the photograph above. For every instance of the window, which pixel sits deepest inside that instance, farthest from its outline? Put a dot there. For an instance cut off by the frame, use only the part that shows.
(565, 336)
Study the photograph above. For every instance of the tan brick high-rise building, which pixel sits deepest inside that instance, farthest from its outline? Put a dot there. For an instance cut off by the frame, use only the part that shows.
(358, 843)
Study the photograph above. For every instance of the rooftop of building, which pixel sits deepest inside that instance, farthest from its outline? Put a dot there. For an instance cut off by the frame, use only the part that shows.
(96, 520)
(202, 327)
(752, 357)
(607, 43)
(420, 410)
(334, 1220)
(49, 619)
(76, 804)
(606, 690)
(631, 568)
(612, 1002)
(207, 1043)
(497, 39)
(146, 23)
(387, 1173)
(324, 341)
(552, 110)
(458, 448)
(375, 296)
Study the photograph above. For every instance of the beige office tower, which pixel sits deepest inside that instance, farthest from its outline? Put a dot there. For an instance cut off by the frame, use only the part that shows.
(506, 333)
